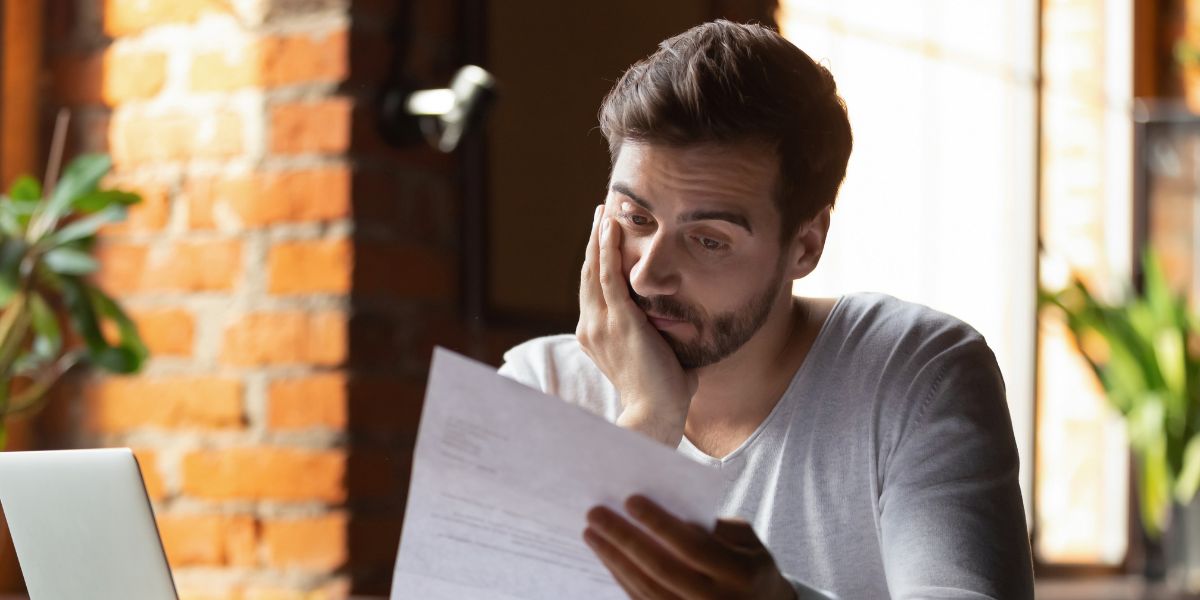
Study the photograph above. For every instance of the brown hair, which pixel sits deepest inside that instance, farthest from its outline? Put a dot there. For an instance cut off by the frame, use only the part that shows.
(724, 82)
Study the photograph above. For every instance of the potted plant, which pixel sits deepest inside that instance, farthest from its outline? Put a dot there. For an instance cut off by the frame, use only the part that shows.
(1145, 350)
(46, 237)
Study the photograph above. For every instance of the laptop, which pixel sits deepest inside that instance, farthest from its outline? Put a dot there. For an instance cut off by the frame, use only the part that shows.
(82, 525)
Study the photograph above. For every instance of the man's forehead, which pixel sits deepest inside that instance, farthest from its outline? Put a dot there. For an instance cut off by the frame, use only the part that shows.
(726, 176)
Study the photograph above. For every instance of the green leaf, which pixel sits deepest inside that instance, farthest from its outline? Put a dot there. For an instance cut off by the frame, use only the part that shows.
(85, 227)
(1146, 422)
(1189, 475)
(83, 315)
(1154, 488)
(79, 178)
(12, 252)
(66, 260)
(25, 188)
(102, 199)
(1169, 350)
(15, 215)
(83, 310)
(48, 335)
(130, 352)
(10, 225)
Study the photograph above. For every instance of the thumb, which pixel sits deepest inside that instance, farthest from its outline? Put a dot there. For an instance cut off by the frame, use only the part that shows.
(736, 532)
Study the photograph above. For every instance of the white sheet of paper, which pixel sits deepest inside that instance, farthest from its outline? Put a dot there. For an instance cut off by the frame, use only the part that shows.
(502, 479)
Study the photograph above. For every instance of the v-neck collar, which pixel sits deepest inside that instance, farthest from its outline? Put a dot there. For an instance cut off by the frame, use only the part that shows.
(687, 447)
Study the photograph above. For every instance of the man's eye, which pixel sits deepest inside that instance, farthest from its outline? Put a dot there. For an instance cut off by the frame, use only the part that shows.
(710, 244)
(638, 220)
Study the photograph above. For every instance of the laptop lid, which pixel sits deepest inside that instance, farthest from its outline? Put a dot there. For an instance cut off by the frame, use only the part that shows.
(83, 526)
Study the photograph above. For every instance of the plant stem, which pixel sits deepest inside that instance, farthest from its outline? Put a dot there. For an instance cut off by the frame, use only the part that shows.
(14, 324)
(34, 397)
(54, 161)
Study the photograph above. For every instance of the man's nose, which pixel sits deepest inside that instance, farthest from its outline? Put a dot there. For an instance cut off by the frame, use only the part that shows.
(655, 273)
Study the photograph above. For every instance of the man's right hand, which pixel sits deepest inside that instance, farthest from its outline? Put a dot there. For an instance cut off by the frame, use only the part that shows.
(654, 389)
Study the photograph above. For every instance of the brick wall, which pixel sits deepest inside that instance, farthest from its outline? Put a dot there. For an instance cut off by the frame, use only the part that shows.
(289, 273)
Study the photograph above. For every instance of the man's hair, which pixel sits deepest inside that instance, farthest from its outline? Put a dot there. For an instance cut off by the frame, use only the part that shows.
(724, 82)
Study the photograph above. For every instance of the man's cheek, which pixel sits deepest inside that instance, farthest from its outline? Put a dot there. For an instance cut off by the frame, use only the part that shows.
(628, 259)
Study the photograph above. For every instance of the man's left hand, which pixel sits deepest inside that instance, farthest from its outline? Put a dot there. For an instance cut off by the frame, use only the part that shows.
(676, 559)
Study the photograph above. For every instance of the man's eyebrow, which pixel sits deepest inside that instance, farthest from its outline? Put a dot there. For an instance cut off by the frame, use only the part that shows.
(696, 215)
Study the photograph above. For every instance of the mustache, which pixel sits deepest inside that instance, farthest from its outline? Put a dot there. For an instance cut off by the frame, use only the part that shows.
(665, 306)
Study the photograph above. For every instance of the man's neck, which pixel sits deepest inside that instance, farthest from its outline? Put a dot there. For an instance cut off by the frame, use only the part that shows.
(746, 385)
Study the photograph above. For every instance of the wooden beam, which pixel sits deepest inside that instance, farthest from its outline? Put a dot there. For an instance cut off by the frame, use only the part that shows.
(19, 69)
(1146, 50)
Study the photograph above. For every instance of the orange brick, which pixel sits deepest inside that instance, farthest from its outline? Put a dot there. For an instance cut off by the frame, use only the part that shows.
(266, 473)
(123, 17)
(151, 475)
(121, 267)
(184, 266)
(311, 127)
(312, 401)
(227, 69)
(215, 540)
(146, 216)
(286, 337)
(305, 58)
(339, 589)
(269, 198)
(137, 138)
(167, 331)
(316, 543)
(310, 267)
(124, 403)
(273, 61)
(109, 77)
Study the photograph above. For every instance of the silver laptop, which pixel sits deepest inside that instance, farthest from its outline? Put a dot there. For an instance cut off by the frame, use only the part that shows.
(83, 526)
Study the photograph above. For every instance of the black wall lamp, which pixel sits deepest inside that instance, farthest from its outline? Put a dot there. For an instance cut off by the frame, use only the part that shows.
(440, 116)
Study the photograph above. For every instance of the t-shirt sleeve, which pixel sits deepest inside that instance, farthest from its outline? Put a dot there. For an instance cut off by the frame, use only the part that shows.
(520, 367)
(951, 518)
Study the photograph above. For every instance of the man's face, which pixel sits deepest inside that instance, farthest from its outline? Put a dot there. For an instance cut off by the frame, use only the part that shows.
(700, 242)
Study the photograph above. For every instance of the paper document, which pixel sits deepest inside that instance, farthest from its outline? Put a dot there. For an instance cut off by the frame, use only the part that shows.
(502, 479)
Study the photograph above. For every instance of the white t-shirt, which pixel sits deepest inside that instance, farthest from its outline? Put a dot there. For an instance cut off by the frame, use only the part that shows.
(887, 469)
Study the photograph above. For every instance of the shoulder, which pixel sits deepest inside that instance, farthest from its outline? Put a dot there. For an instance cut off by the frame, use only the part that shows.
(557, 365)
(904, 335)
(898, 356)
(534, 361)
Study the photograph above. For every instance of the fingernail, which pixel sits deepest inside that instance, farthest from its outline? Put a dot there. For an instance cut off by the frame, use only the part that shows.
(636, 507)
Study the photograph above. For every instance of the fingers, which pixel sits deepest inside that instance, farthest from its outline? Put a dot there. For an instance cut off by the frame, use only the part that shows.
(737, 532)
(589, 283)
(631, 578)
(612, 279)
(689, 542)
(651, 558)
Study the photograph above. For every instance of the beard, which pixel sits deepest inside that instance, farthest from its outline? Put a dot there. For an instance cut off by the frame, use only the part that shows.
(719, 336)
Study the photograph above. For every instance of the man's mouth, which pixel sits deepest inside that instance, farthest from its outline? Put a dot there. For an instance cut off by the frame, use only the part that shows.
(663, 323)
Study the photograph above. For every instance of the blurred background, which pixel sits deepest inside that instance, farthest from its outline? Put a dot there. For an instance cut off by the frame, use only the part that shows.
(301, 245)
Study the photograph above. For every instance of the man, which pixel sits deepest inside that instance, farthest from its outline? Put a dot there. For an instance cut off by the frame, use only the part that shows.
(866, 441)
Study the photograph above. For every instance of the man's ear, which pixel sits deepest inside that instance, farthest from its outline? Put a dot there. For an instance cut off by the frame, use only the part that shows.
(807, 245)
